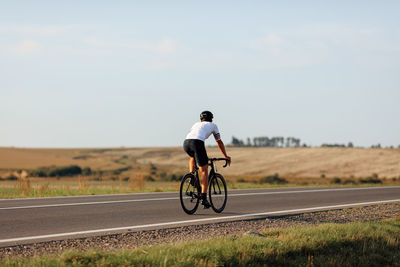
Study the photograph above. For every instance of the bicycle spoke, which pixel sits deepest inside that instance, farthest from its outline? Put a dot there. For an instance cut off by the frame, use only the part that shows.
(219, 188)
(187, 189)
(215, 182)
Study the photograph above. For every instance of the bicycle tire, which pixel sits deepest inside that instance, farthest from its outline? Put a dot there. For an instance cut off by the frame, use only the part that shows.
(218, 193)
(189, 193)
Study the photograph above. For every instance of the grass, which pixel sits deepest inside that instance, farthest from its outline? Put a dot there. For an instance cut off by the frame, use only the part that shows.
(354, 244)
(50, 187)
(159, 168)
(288, 162)
(74, 186)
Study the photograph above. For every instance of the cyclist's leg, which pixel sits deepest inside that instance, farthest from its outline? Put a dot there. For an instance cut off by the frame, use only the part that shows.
(204, 185)
(200, 155)
(192, 164)
(202, 159)
(188, 147)
(204, 178)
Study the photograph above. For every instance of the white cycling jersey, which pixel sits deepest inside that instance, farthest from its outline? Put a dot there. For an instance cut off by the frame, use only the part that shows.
(202, 130)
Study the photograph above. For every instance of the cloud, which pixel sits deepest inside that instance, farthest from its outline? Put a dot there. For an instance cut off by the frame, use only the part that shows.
(158, 64)
(25, 47)
(273, 40)
(103, 43)
(326, 44)
(151, 55)
(86, 39)
(281, 50)
(164, 46)
(37, 30)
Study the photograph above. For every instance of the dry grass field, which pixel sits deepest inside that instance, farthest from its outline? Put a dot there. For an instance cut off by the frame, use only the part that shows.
(292, 162)
(314, 162)
(288, 162)
(124, 170)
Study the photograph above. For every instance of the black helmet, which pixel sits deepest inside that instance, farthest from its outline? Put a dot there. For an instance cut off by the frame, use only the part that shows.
(206, 115)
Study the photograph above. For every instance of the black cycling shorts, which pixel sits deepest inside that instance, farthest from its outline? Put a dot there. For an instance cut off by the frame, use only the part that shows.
(195, 148)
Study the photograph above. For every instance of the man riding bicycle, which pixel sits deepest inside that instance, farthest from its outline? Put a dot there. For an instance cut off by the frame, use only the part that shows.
(195, 148)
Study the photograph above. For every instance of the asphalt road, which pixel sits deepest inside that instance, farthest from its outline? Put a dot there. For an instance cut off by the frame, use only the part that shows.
(40, 219)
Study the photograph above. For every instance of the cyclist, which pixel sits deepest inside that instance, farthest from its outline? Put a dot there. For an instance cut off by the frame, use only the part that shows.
(195, 148)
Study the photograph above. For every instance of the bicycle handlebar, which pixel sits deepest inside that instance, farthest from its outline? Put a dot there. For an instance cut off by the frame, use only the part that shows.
(218, 159)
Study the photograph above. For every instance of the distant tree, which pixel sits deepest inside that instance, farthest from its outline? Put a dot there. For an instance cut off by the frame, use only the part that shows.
(273, 179)
(376, 146)
(288, 141)
(350, 144)
(237, 142)
(255, 142)
(54, 171)
(333, 145)
(86, 171)
(281, 141)
(262, 141)
(292, 142)
(274, 142)
(297, 142)
(248, 143)
(265, 141)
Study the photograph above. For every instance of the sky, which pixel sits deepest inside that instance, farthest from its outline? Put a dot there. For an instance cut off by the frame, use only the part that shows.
(139, 73)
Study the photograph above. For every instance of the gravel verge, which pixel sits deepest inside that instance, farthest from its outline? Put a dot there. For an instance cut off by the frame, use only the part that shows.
(198, 232)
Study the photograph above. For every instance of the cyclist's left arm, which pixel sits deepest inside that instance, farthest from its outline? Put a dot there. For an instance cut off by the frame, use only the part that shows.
(221, 145)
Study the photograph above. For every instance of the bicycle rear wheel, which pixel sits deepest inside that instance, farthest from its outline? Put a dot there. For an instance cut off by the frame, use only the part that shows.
(189, 193)
(218, 193)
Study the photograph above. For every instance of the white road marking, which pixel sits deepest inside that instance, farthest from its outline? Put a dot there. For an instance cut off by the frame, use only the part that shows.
(112, 195)
(88, 196)
(175, 198)
(312, 191)
(88, 203)
(194, 221)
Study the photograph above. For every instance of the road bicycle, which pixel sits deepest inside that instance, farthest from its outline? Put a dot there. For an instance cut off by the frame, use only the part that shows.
(190, 189)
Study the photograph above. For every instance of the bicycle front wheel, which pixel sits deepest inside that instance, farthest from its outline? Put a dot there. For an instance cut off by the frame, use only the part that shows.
(218, 193)
(189, 193)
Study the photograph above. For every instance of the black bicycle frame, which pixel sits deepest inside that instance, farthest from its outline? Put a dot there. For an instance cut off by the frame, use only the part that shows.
(212, 170)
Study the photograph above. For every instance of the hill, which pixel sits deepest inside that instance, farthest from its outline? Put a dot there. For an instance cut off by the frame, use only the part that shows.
(247, 161)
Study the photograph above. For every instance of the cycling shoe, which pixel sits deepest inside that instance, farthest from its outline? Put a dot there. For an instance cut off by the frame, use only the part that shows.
(206, 204)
